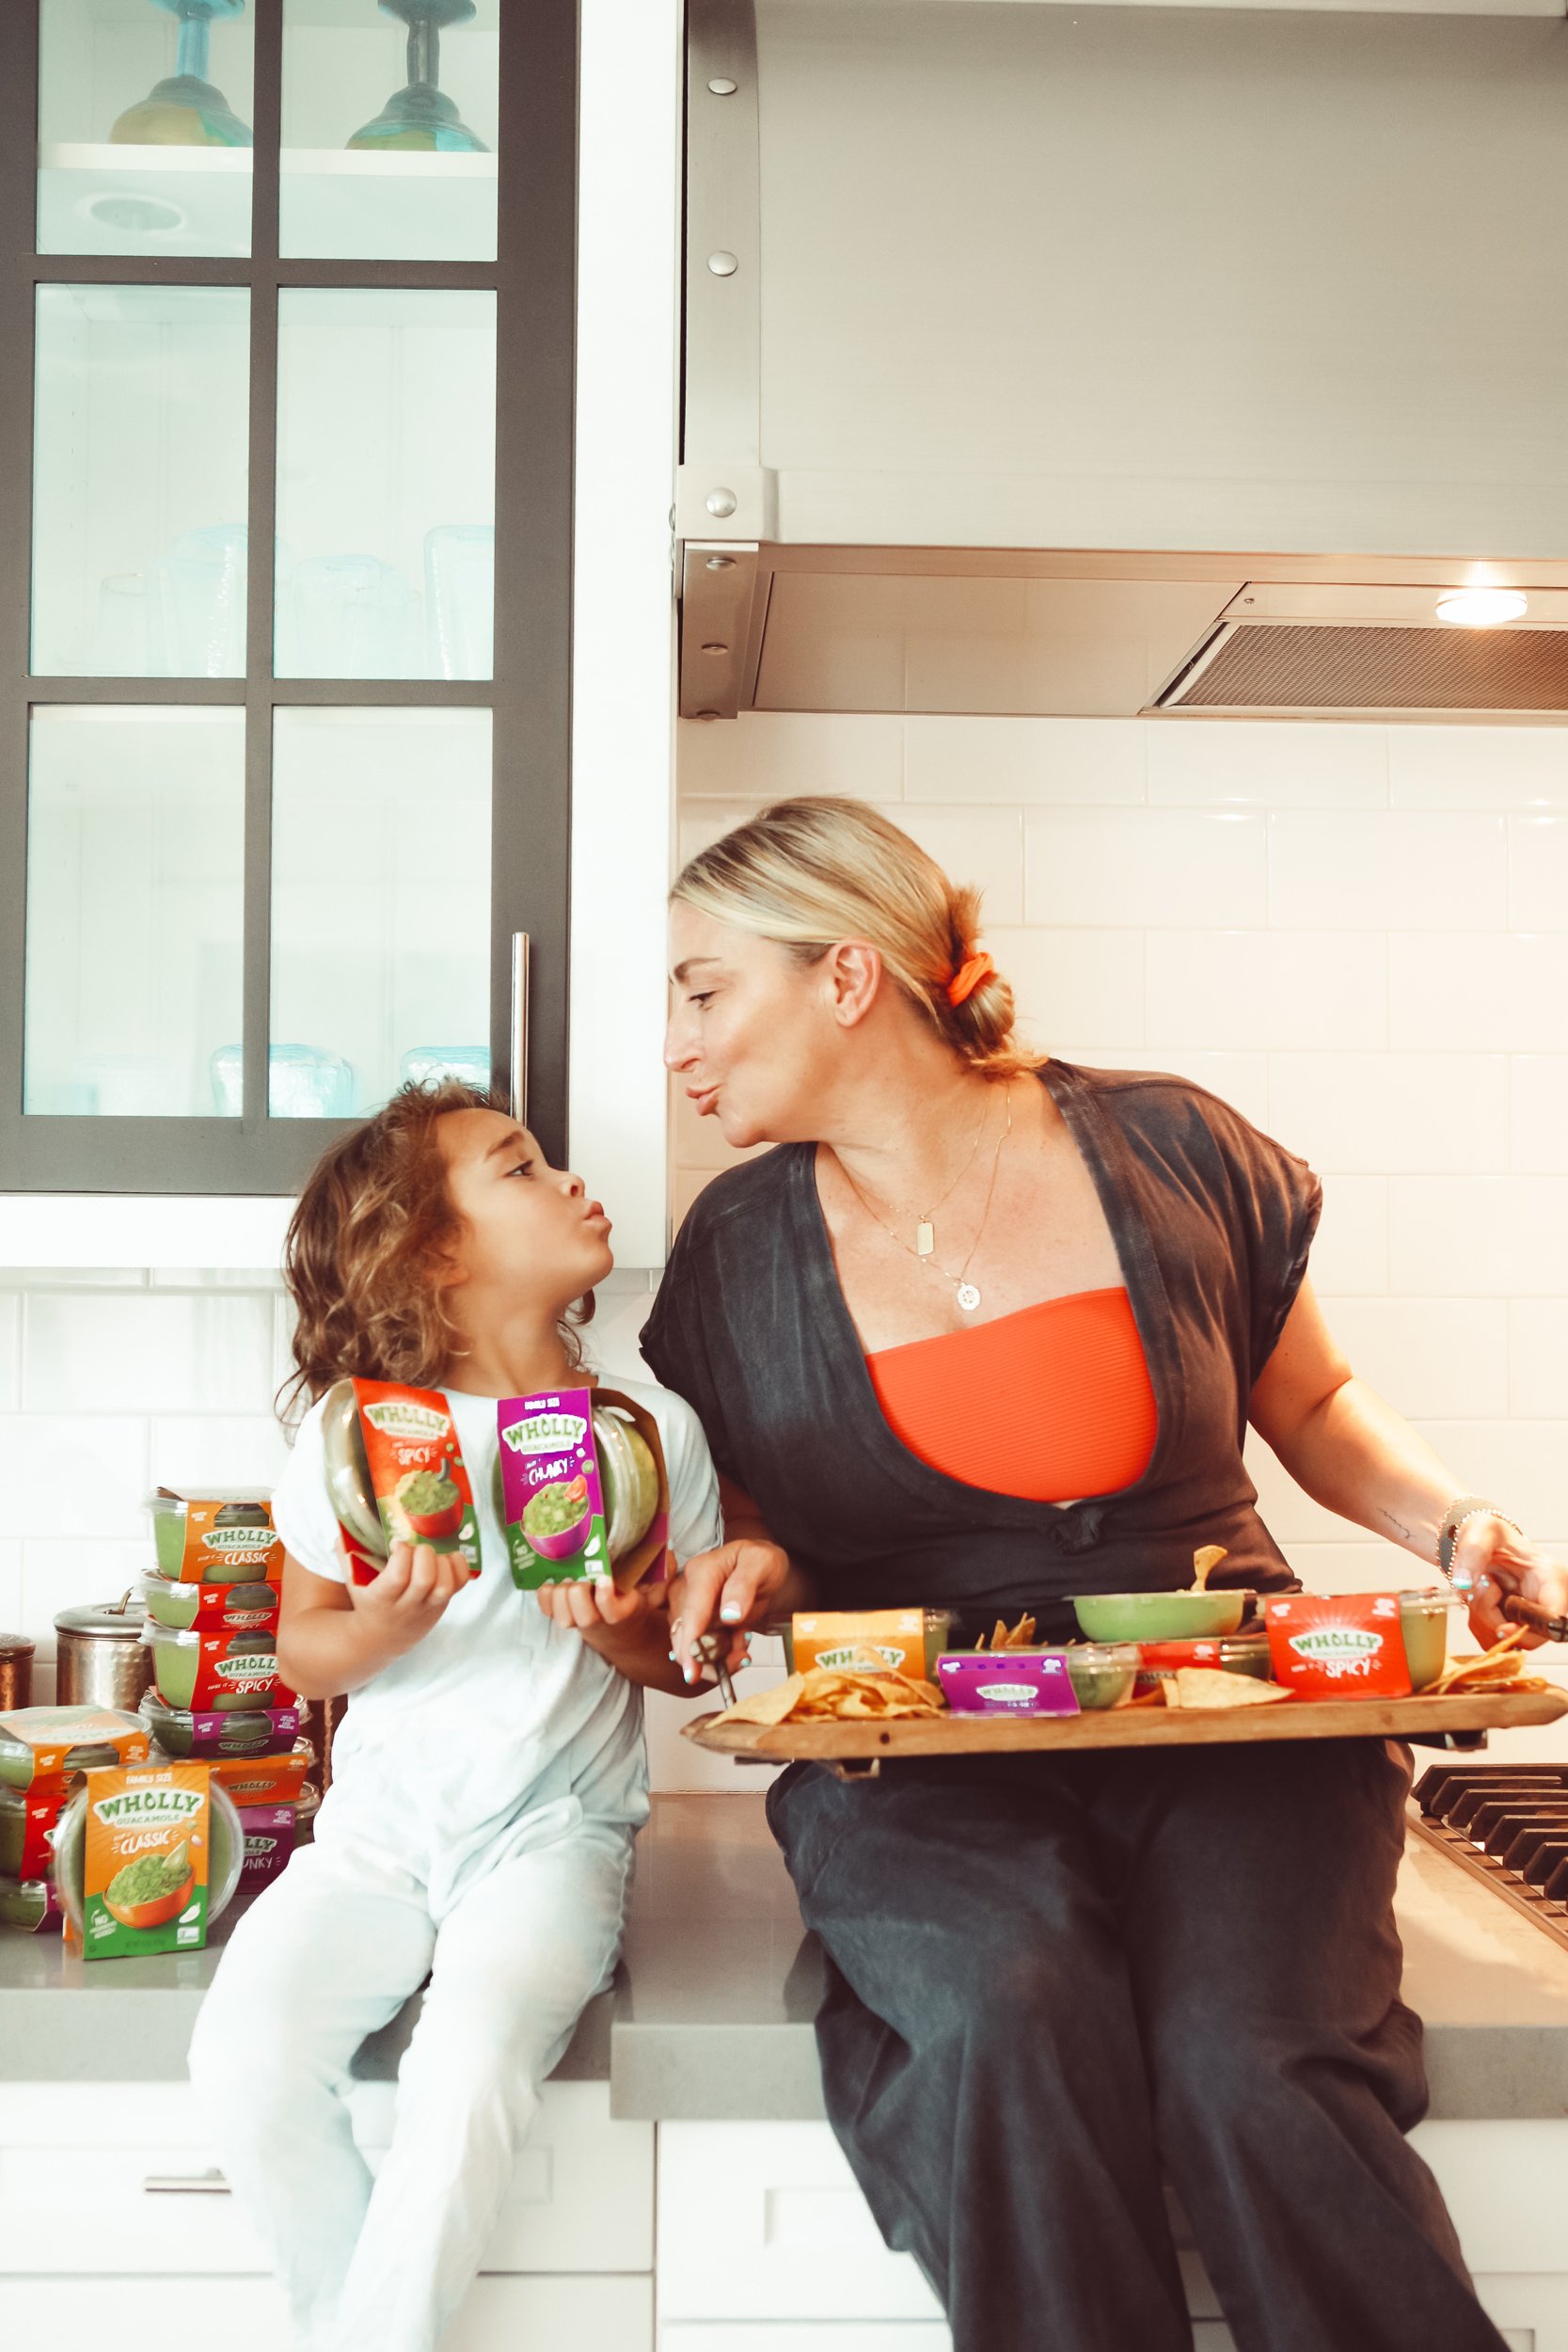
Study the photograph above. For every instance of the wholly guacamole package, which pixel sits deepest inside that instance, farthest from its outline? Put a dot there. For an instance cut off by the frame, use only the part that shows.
(417, 1478)
(146, 1860)
(222, 1539)
(869, 1641)
(1338, 1646)
(551, 1490)
(584, 1490)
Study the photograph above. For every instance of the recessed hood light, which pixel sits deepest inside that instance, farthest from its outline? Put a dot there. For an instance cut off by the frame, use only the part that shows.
(1482, 607)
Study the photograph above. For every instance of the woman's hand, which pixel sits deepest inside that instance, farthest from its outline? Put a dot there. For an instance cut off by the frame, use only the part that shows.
(1498, 1561)
(734, 1590)
(407, 1601)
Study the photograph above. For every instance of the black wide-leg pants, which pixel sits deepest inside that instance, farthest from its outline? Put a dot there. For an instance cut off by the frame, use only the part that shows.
(1055, 1982)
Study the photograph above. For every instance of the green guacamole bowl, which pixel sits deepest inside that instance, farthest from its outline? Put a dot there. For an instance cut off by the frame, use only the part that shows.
(252, 1732)
(1158, 1616)
(224, 1863)
(176, 1605)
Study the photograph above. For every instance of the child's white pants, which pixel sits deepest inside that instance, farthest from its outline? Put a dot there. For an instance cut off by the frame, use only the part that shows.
(326, 1955)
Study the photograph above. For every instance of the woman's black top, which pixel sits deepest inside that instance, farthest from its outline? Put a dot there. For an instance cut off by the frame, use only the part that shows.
(1212, 1221)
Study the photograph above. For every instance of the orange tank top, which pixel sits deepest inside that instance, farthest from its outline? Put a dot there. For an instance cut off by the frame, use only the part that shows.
(1051, 1403)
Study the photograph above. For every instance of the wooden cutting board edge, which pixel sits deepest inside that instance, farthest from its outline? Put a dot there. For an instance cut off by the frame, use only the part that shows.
(1128, 1728)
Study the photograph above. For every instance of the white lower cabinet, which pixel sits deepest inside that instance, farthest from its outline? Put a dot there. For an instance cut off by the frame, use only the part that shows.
(765, 2243)
(113, 2214)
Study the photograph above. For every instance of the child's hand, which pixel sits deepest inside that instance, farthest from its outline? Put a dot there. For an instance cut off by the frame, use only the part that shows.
(409, 1596)
(592, 1606)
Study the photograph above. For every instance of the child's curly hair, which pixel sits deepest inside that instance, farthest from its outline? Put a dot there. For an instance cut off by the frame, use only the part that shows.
(367, 1249)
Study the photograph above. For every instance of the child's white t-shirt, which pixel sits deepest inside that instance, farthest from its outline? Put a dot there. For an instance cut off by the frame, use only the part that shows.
(498, 1715)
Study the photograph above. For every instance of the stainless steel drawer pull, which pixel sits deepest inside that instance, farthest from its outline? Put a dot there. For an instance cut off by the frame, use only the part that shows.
(187, 2184)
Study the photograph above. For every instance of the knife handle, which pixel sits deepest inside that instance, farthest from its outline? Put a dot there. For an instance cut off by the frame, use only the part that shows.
(1539, 1620)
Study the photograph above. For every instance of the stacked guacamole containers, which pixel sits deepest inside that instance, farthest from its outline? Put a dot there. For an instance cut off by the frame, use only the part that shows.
(44, 1751)
(212, 1601)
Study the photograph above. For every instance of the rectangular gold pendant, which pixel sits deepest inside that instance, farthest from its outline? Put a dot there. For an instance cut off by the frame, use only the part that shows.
(924, 1238)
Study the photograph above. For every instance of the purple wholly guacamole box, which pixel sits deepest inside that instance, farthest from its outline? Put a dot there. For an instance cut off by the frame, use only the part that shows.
(269, 1840)
(552, 1497)
(1006, 1682)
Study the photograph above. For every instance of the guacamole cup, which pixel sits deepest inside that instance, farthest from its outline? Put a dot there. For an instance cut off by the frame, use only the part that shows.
(1424, 1624)
(1102, 1673)
(558, 1519)
(224, 1861)
(182, 1608)
(170, 1511)
(178, 1661)
(256, 1730)
(1159, 1617)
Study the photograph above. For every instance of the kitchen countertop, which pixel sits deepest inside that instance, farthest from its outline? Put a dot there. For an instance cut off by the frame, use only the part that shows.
(711, 2012)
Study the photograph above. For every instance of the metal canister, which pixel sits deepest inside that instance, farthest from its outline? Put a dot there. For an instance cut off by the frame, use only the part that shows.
(101, 1661)
(16, 1672)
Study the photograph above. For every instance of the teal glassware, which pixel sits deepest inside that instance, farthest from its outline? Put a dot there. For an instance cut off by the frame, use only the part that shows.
(185, 110)
(420, 117)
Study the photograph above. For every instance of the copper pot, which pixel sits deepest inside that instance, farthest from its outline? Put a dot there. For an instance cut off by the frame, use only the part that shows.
(16, 1672)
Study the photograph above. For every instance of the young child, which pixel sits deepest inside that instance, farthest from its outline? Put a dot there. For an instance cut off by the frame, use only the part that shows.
(489, 1775)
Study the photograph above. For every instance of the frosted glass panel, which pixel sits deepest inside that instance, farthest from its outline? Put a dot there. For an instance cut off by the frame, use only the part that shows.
(140, 474)
(380, 904)
(144, 127)
(389, 130)
(386, 484)
(136, 821)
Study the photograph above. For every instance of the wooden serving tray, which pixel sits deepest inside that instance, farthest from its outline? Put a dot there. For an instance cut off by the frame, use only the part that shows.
(830, 1740)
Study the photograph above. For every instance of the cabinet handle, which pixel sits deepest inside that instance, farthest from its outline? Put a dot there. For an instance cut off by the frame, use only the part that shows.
(519, 1027)
(187, 2184)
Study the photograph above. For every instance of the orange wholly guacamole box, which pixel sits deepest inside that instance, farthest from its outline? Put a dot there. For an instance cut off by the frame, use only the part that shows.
(1338, 1646)
(146, 1856)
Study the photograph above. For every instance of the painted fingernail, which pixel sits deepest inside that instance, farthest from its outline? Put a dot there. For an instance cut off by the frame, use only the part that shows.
(730, 1611)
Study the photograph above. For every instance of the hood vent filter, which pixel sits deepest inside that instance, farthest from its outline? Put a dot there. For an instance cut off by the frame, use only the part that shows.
(1283, 667)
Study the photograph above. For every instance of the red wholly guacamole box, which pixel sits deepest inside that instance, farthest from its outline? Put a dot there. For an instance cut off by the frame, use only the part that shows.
(418, 1476)
(1338, 1646)
(145, 1861)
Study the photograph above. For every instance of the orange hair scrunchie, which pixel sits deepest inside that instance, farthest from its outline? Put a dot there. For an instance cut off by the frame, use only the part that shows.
(968, 977)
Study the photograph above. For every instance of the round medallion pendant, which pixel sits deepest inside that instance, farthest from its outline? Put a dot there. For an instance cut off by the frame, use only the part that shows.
(969, 1297)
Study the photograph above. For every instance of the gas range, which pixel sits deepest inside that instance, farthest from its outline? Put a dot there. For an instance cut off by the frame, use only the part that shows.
(1506, 1824)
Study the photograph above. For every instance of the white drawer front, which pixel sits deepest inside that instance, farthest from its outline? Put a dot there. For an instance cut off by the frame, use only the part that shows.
(248, 2315)
(1506, 2185)
(76, 2161)
(765, 2221)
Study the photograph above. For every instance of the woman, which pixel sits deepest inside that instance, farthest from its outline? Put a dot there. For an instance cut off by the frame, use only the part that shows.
(988, 1334)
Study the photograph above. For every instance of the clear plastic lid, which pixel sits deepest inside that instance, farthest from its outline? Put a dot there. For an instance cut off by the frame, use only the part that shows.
(225, 1863)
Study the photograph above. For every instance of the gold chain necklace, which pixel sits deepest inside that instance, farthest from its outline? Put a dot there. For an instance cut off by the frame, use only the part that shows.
(925, 1226)
(968, 1295)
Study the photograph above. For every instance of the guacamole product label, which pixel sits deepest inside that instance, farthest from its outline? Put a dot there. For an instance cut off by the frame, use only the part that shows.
(869, 1641)
(228, 1671)
(41, 1747)
(145, 1860)
(253, 1730)
(269, 1840)
(216, 1539)
(417, 1477)
(552, 1493)
(1006, 1682)
(1338, 1645)
(253, 1780)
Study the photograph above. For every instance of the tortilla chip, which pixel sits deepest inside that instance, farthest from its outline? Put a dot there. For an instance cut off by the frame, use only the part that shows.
(1206, 1560)
(821, 1695)
(1209, 1686)
(765, 1707)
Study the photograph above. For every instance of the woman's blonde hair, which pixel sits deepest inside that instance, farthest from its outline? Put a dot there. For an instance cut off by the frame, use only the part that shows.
(806, 873)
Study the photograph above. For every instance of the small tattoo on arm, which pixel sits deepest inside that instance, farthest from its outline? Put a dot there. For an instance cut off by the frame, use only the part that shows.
(1398, 1525)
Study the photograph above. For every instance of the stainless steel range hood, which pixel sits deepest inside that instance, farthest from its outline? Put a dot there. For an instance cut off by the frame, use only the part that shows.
(1048, 361)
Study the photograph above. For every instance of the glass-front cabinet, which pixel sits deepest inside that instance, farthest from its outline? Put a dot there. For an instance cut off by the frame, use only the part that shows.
(285, 456)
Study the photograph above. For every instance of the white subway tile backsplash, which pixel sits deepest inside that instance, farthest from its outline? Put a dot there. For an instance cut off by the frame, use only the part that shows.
(1448, 991)
(216, 1277)
(78, 1473)
(1080, 763)
(1523, 1465)
(11, 1620)
(1538, 1114)
(1441, 1358)
(1350, 1255)
(1538, 873)
(1286, 1509)
(1479, 1235)
(11, 1351)
(1437, 1114)
(150, 1352)
(1367, 1566)
(1144, 868)
(768, 755)
(229, 1450)
(1538, 1357)
(1073, 983)
(1478, 767)
(75, 1574)
(1197, 763)
(979, 846)
(1336, 869)
(1267, 988)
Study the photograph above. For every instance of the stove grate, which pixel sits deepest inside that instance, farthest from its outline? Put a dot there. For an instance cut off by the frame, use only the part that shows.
(1506, 1824)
